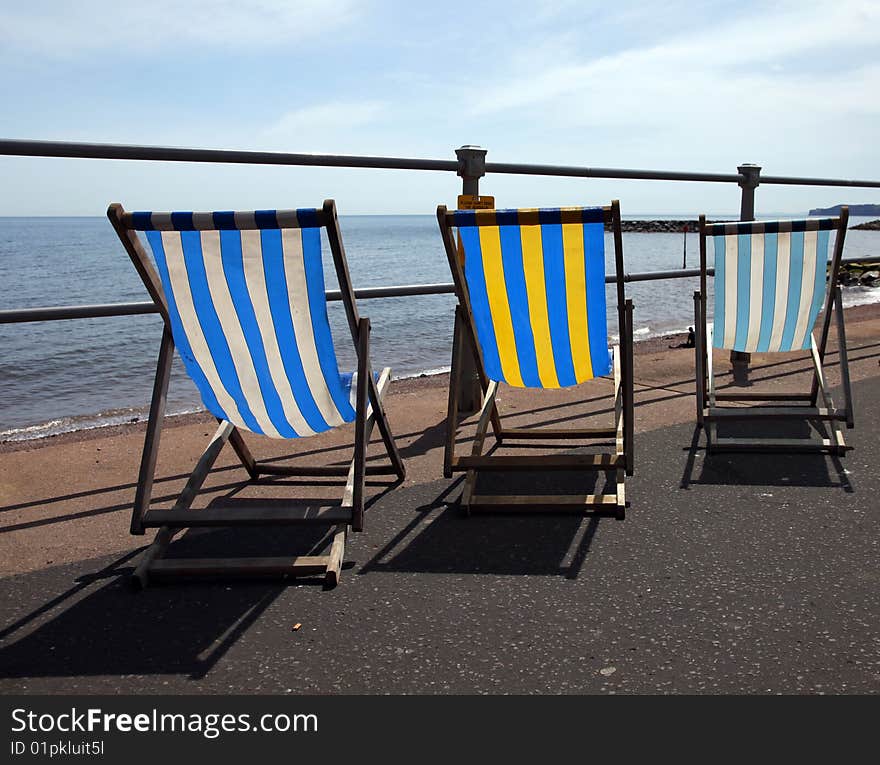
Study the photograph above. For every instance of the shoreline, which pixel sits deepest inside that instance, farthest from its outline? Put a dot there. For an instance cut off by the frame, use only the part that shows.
(648, 345)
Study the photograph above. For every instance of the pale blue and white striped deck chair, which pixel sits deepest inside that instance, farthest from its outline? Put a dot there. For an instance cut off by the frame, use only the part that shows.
(243, 300)
(532, 311)
(771, 281)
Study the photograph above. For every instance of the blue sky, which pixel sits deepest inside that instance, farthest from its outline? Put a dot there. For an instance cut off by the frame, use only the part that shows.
(791, 86)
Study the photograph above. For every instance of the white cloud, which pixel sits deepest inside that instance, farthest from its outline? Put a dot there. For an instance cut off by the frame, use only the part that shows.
(331, 127)
(708, 58)
(63, 27)
(327, 116)
(792, 90)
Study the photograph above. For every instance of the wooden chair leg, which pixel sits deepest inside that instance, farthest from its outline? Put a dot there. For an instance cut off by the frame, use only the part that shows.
(620, 439)
(832, 303)
(360, 439)
(452, 404)
(141, 575)
(711, 428)
(843, 355)
(154, 430)
(479, 441)
(470, 483)
(619, 404)
(376, 399)
(244, 454)
(837, 440)
(471, 341)
(337, 554)
(203, 466)
(698, 360)
(629, 388)
(620, 506)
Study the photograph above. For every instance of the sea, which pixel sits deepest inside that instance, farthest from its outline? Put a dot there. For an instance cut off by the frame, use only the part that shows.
(61, 376)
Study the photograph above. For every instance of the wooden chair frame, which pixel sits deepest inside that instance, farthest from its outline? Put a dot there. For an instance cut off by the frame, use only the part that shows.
(620, 462)
(350, 512)
(782, 406)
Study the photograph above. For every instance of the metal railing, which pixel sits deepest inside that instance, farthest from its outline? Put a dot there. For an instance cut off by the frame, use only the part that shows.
(53, 313)
(56, 313)
(470, 164)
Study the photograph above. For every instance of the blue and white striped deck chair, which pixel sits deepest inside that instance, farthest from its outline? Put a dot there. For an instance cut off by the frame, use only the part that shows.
(532, 311)
(243, 300)
(771, 281)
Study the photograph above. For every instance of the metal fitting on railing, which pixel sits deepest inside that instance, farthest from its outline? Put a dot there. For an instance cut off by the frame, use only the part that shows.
(750, 178)
(471, 167)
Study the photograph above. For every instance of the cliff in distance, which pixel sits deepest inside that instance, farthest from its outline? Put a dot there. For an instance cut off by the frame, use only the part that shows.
(853, 210)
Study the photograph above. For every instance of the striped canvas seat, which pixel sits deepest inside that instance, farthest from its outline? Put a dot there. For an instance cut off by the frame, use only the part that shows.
(770, 283)
(772, 280)
(536, 282)
(249, 316)
(532, 313)
(242, 299)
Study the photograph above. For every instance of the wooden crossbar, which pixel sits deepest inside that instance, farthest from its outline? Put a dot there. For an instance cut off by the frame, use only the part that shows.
(776, 445)
(774, 413)
(557, 433)
(540, 462)
(756, 396)
(303, 565)
(316, 471)
(577, 500)
(245, 514)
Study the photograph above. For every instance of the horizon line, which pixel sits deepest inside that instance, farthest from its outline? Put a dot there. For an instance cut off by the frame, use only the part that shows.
(653, 214)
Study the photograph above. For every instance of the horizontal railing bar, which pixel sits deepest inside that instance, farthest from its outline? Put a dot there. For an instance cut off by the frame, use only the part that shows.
(784, 180)
(403, 290)
(59, 312)
(82, 150)
(75, 150)
(573, 171)
(649, 276)
(54, 313)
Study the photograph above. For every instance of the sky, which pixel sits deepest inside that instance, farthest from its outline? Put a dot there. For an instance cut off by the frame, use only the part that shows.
(792, 86)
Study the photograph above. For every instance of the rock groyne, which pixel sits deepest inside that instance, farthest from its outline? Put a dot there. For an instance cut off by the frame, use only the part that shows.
(658, 226)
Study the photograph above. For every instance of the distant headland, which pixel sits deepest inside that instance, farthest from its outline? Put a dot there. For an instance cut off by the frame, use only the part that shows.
(853, 210)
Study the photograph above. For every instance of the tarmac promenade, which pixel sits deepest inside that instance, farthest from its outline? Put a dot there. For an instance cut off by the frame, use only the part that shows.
(731, 573)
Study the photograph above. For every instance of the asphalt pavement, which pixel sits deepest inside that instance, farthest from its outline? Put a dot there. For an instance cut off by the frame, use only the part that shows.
(730, 574)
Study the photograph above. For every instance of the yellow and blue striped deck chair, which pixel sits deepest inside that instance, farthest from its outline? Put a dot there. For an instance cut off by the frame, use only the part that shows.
(532, 310)
(243, 300)
(771, 281)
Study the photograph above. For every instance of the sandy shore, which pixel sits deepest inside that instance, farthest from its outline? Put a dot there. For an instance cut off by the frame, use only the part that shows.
(647, 347)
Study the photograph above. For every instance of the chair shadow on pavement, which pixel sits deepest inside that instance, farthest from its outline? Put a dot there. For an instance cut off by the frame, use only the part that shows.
(535, 541)
(101, 626)
(804, 469)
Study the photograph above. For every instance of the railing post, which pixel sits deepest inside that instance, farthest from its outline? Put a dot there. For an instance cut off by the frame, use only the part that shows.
(471, 167)
(750, 177)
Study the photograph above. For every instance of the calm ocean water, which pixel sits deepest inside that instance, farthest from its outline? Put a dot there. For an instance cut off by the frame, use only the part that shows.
(65, 375)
